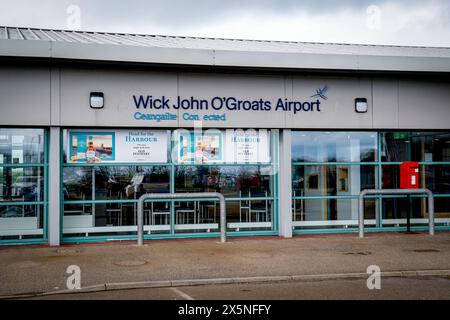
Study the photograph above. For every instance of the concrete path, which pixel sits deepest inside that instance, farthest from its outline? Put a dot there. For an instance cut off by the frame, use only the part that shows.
(35, 269)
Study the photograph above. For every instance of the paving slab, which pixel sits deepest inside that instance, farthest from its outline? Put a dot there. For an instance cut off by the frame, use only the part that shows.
(35, 269)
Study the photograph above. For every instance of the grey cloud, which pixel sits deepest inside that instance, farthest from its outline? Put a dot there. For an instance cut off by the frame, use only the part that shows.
(179, 13)
(175, 13)
(184, 17)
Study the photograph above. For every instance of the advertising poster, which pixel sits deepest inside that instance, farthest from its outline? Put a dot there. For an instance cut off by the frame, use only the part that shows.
(247, 146)
(200, 148)
(92, 147)
(127, 146)
(230, 146)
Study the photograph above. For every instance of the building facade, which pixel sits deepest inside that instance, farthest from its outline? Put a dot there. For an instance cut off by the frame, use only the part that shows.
(290, 133)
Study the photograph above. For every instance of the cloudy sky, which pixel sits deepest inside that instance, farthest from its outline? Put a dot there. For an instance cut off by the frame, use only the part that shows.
(398, 22)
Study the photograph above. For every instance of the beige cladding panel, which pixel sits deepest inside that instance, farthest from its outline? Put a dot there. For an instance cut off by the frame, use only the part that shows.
(27, 95)
(424, 105)
(385, 104)
(118, 88)
(337, 110)
(24, 96)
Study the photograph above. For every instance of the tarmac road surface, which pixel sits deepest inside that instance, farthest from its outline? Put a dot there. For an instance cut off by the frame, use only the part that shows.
(427, 288)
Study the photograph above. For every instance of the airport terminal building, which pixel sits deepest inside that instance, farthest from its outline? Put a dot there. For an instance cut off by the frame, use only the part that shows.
(289, 132)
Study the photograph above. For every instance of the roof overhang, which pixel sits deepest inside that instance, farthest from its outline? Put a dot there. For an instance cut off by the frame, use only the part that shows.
(221, 58)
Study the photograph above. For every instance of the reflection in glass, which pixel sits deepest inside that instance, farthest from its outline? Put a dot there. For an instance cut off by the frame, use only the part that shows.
(395, 210)
(22, 210)
(123, 185)
(196, 216)
(19, 185)
(390, 176)
(18, 146)
(114, 182)
(118, 183)
(331, 180)
(77, 183)
(311, 146)
(249, 211)
(436, 178)
(398, 208)
(415, 146)
(338, 182)
(433, 177)
(231, 181)
(24, 184)
(312, 184)
(125, 213)
(114, 214)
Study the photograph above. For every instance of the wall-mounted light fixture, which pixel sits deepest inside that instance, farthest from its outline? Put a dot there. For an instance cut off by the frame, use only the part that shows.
(361, 105)
(97, 100)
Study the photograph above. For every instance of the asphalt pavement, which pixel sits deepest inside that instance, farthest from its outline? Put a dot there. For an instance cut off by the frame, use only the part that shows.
(422, 288)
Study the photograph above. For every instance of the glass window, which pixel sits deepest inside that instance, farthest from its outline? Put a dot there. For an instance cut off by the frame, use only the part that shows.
(231, 181)
(333, 146)
(321, 192)
(415, 146)
(441, 208)
(331, 180)
(119, 183)
(430, 146)
(325, 210)
(390, 177)
(22, 184)
(112, 183)
(394, 146)
(103, 197)
(77, 183)
(114, 214)
(327, 194)
(19, 146)
(397, 208)
(16, 217)
(433, 177)
(249, 211)
(437, 178)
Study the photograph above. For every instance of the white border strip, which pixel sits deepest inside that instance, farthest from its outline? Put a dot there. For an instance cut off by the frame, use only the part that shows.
(21, 232)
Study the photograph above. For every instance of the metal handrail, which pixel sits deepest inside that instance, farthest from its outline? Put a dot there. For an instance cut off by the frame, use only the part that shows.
(176, 196)
(396, 192)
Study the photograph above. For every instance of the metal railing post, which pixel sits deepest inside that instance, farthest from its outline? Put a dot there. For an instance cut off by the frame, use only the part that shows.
(361, 214)
(430, 212)
(140, 220)
(176, 196)
(395, 192)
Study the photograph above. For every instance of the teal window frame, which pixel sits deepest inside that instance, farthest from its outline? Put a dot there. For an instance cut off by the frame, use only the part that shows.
(44, 202)
(274, 145)
(379, 165)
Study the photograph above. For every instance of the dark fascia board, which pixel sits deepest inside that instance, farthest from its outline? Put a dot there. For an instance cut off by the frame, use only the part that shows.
(222, 58)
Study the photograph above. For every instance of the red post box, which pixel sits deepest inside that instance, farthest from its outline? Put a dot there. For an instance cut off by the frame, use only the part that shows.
(409, 175)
